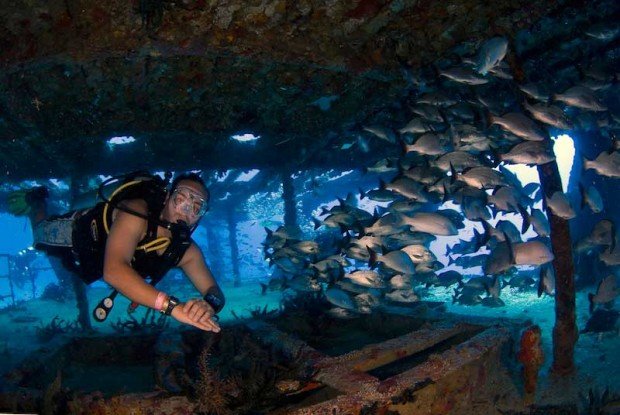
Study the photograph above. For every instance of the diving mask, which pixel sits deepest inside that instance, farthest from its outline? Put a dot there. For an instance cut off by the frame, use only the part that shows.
(188, 202)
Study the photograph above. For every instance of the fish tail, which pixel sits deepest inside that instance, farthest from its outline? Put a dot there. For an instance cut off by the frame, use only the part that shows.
(526, 219)
(372, 259)
(317, 223)
(541, 286)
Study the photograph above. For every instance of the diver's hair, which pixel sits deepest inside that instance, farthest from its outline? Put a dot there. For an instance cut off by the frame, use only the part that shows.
(191, 177)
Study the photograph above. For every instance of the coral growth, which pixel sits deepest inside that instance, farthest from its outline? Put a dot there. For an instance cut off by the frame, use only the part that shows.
(56, 327)
(249, 375)
(531, 356)
(148, 323)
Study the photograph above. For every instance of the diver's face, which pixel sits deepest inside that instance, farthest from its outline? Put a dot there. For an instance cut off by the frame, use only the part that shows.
(188, 203)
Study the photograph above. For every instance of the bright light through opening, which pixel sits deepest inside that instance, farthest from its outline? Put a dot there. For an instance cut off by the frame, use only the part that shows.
(246, 177)
(564, 149)
(244, 138)
(121, 140)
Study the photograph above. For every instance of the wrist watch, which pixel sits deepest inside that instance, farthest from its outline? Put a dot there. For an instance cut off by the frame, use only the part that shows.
(172, 302)
(214, 301)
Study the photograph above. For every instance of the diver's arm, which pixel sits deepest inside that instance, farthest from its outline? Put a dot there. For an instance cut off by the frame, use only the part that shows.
(126, 232)
(196, 269)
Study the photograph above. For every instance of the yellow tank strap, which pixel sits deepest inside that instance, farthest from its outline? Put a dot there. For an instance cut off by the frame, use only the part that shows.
(160, 243)
(106, 226)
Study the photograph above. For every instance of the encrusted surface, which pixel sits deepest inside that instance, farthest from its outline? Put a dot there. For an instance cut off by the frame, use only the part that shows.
(183, 76)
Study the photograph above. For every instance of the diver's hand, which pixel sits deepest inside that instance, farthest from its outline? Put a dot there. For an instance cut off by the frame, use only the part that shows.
(198, 309)
(204, 322)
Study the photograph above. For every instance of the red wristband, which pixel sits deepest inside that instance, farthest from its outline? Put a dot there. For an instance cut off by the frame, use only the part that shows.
(159, 302)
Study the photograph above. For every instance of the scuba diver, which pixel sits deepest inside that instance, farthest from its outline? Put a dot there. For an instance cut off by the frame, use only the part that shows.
(139, 233)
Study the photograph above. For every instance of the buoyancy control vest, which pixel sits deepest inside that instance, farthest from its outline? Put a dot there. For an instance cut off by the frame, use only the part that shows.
(91, 229)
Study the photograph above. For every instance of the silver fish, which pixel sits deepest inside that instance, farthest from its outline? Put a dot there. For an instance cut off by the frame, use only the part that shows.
(381, 132)
(505, 199)
(592, 198)
(419, 253)
(603, 31)
(560, 206)
(429, 144)
(408, 188)
(366, 278)
(550, 115)
(581, 97)
(606, 164)
(546, 281)
(520, 125)
(606, 292)
(437, 99)
(340, 298)
(534, 91)
(430, 222)
(428, 112)
(463, 75)
(610, 257)
(532, 253)
(491, 54)
(395, 261)
(482, 178)
(385, 165)
(460, 160)
(416, 126)
(530, 153)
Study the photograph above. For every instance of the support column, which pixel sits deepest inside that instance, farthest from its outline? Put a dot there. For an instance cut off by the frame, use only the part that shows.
(78, 285)
(215, 254)
(234, 249)
(288, 194)
(565, 332)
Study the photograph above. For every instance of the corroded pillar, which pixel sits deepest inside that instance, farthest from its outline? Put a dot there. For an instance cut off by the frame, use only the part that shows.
(78, 285)
(234, 249)
(288, 194)
(565, 332)
(215, 255)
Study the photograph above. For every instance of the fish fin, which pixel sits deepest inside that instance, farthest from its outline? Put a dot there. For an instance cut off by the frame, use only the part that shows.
(487, 231)
(446, 193)
(263, 288)
(372, 260)
(403, 147)
(541, 286)
(582, 192)
(526, 218)
(362, 194)
(317, 223)
(453, 174)
(591, 302)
